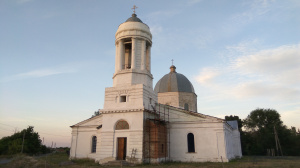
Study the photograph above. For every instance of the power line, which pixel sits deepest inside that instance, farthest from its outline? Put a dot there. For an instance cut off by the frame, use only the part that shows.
(7, 130)
(7, 125)
(37, 132)
(54, 135)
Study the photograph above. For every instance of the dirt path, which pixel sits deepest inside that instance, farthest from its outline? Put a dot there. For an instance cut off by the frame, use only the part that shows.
(5, 160)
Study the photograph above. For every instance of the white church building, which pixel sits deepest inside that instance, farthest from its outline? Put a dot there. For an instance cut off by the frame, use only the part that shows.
(145, 125)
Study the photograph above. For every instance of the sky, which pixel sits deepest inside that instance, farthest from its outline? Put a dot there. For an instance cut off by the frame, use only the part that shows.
(57, 57)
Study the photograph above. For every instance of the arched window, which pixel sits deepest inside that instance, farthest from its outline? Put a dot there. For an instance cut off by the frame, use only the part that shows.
(186, 106)
(191, 142)
(122, 124)
(94, 144)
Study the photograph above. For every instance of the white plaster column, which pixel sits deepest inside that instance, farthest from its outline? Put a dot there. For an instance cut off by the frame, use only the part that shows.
(143, 49)
(133, 52)
(121, 54)
(117, 60)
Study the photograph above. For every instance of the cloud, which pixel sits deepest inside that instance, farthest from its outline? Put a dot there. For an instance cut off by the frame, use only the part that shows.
(156, 29)
(280, 65)
(292, 116)
(261, 89)
(257, 8)
(245, 47)
(38, 73)
(207, 76)
(250, 11)
(269, 73)
(249, 77)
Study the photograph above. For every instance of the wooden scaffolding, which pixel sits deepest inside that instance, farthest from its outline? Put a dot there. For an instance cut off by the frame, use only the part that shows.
(156, 138)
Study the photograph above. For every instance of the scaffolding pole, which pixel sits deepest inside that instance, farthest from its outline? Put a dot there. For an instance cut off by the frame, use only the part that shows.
(156, 140)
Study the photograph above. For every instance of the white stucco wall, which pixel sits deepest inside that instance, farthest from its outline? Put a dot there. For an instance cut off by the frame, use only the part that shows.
(82, 134)
(208, 137)
(107, 136)
(138, 97)
(233, 142)
(134, 134)
(214, 139)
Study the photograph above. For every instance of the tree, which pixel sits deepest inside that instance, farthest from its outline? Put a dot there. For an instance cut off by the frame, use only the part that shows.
(13, 144)
(96, 113)
(259, 134)
(263, 119)
(260, 125)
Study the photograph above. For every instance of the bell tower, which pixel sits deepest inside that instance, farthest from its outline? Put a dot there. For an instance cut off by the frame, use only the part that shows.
(132, 79)
(133, 53)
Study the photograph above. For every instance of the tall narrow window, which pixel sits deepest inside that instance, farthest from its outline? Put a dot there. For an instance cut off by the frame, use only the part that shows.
(186, 106)
(94, 144)
(122, 124)
(191, 143)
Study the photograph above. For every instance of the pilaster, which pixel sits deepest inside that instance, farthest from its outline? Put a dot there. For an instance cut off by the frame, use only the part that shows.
(143, 54)
(133, 53)
(121, 54)
(117, 58)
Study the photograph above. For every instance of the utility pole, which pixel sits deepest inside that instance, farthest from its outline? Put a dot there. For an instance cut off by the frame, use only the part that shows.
(23, 141)
(278, 146)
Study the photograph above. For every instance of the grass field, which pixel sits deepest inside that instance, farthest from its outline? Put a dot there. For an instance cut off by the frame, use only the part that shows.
(60, 160)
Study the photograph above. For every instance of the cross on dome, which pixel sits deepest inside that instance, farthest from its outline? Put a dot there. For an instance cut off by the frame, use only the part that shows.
(134, 7)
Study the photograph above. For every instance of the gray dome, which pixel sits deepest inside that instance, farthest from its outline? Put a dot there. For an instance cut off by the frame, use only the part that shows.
(133, 18)
(174, 82)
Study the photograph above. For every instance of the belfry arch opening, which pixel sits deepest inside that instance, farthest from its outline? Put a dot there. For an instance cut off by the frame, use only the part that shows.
(141, 53)
(127, 54)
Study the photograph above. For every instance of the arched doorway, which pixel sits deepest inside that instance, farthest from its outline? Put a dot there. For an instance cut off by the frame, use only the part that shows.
(122, 141)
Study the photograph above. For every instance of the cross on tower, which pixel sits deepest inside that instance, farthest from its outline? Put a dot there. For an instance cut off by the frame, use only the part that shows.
(172, 61)
(134, 7)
